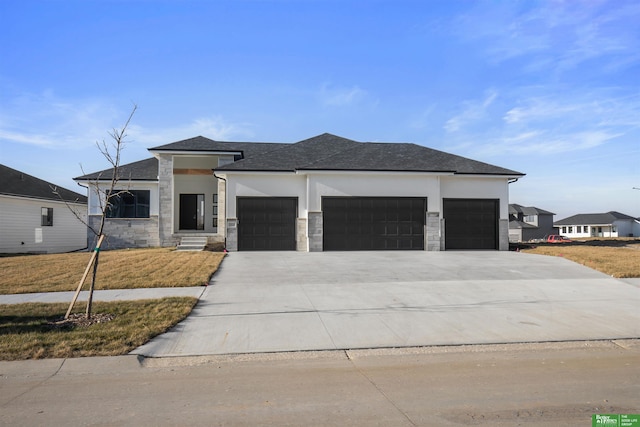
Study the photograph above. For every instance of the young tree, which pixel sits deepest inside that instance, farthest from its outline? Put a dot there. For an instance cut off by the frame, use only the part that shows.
(106, 194)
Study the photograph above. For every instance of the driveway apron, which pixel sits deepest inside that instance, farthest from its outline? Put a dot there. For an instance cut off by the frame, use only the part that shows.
(295, 301)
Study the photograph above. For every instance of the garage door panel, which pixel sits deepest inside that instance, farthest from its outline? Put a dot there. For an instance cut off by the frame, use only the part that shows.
(266, 223)
(373, 223)
(471, 223)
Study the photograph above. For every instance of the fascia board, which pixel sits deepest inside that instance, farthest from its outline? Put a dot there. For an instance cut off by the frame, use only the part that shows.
(201, 152)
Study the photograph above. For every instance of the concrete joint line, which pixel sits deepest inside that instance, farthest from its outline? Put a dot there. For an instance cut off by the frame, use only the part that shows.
(387, 398)
(30, 389)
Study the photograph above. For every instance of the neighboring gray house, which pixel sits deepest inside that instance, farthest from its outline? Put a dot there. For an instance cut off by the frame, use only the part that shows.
(528, 223)
(35, 220)
(609, 224)
(323, 193)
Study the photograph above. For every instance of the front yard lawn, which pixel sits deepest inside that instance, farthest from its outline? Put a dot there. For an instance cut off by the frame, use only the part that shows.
(118, 269)
(29, 331)
(620, 259)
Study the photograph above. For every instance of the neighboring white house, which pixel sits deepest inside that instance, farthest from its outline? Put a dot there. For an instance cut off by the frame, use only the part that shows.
(610, 224)
(529, 223)
(35, 220)
(322, 193)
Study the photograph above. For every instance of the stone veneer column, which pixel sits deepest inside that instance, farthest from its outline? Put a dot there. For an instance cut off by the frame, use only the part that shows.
(165, 199)
(232, 234)
(301, 234)
(315, 231)
(222, 207)
(503, 235)
(442, 235)
(433, 231)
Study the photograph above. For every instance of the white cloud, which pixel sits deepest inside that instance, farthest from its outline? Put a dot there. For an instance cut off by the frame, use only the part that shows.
(556, 35)
(472, 111)
(214, 127)
(48, 121)
(333, 96)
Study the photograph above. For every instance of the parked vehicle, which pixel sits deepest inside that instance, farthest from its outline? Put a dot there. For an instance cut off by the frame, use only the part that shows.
(555, 238)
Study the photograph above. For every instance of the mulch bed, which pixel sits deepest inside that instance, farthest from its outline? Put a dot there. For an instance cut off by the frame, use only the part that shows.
(81, 320)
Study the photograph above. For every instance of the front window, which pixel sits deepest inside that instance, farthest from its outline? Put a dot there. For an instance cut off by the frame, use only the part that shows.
(579, 229)
(129, 204)
(47, 217)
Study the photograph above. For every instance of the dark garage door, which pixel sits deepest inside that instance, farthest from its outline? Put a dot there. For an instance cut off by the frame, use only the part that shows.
(372, 223)
(470, 223)
(267, 223)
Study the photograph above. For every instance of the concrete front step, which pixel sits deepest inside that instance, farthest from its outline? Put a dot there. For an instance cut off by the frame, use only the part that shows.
(192, 243)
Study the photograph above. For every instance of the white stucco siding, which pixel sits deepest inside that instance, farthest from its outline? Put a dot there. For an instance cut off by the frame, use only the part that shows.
(458, 187)
(373, 185)
(94, 201)
(21, 228)
(266, 185)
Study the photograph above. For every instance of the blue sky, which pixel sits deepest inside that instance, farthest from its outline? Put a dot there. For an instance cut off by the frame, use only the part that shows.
(549, 88)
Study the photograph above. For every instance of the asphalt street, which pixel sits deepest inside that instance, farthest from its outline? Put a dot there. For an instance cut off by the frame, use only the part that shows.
(552, 384)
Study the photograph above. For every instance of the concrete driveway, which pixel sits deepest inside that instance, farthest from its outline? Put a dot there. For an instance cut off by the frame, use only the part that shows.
(291, 301)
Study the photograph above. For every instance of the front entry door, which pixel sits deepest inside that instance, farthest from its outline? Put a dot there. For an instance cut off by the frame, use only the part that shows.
(192, 212)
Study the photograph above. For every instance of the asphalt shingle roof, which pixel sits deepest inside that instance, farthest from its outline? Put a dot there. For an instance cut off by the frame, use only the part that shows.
(515, 208)
(16, 183)
(322, 152)
(594, 218)
(142, 170)
(330, 152)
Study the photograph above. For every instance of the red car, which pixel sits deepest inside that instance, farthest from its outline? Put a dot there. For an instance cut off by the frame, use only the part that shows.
(555, 238)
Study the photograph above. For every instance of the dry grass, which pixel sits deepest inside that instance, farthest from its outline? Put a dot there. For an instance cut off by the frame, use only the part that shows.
(119, 269)
(26, 333)
(617, 260)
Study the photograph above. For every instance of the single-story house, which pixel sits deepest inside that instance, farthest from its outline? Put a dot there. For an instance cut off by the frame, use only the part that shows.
(33, 219)
(528, 223)
(320, 194)
(610, 224)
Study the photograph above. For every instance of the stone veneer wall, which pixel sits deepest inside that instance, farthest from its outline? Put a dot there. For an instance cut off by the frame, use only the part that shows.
(315, 231)
(232, 234)
(301, 234)
(503, 235)
(125, 233)
(165, 200)
(432, 231)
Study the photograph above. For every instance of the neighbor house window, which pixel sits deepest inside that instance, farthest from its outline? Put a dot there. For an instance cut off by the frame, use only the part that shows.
(614, 229)
(129, 204)
(570, 229)
(47, 217)
(564, 229)
(586, 228)
(530, 218)
(579, 229)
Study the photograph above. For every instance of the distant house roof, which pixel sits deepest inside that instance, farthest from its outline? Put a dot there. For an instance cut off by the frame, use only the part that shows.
(142, 170)
(331, 152)
(16, 183)
(322, 152)
(594, 219)
(515, 224)
(515, 208)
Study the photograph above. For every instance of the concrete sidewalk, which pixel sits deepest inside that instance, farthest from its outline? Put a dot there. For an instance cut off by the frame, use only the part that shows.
(105, 295)
(273, 302)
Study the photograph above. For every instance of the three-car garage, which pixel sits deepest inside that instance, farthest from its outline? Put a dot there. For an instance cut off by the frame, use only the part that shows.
(368, 223)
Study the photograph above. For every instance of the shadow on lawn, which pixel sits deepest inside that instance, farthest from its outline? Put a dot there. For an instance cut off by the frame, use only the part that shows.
(24, 324)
